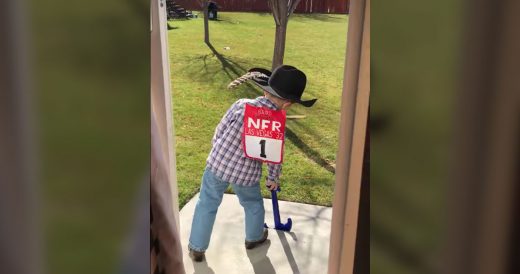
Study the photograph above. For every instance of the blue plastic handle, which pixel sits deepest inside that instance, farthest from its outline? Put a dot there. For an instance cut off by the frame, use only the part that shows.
(276, 213)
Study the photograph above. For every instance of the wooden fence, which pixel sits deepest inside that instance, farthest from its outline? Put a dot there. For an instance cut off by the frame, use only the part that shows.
(305, 6)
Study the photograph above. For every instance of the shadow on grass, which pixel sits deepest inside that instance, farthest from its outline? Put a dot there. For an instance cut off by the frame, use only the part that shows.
(232, 69)
(170, 27)
(226, 20)
(308, 151)
(298, 123)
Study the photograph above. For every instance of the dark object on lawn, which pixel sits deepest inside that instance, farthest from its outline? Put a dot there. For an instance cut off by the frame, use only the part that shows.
(276, 213)
(175, 11)
(212, 10)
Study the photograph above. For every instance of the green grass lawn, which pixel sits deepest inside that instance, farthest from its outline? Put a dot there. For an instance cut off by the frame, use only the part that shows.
(315, 44)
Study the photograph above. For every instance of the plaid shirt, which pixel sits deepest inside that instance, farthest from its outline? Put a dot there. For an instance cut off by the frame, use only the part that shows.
(227, 160)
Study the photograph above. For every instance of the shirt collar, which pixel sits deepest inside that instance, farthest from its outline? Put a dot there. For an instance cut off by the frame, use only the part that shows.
(266, 102)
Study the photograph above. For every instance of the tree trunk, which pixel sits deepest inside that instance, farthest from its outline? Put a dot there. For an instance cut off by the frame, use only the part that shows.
(206, 23)
(279, 44)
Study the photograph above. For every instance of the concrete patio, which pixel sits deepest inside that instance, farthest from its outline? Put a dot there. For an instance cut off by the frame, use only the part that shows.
(303, 250)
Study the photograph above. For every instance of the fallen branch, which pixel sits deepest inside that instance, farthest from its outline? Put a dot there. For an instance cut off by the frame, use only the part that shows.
(295, 116)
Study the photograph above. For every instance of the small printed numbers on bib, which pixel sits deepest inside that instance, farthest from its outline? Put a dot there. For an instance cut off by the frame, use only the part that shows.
(263, 136)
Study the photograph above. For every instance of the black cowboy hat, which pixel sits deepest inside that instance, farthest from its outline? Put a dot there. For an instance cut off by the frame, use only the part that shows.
(286, 82)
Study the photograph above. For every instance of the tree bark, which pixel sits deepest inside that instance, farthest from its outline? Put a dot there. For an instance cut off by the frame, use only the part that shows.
(206, 23)
(279, 44)
(282, 10)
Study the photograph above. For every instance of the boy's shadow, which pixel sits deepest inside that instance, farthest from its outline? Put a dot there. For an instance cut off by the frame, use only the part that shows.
(259, 260)
(202, 268)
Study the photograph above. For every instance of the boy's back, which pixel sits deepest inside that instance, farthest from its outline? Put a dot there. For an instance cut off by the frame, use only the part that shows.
(226, 159)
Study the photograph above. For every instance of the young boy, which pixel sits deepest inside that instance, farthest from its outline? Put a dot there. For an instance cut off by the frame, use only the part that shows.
(227, 164)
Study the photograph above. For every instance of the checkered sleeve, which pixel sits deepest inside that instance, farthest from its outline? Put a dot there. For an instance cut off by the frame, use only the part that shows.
(273, 172)
(225, 121)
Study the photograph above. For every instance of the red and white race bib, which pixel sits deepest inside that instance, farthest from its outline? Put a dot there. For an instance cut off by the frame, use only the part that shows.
(263, 136)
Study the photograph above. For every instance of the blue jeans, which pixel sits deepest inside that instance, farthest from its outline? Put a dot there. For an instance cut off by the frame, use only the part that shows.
(211, 193)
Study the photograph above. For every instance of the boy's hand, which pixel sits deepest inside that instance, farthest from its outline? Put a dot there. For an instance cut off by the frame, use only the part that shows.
(271, 185)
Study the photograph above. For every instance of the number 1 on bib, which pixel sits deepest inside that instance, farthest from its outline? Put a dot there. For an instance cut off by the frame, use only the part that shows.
(262, 149)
